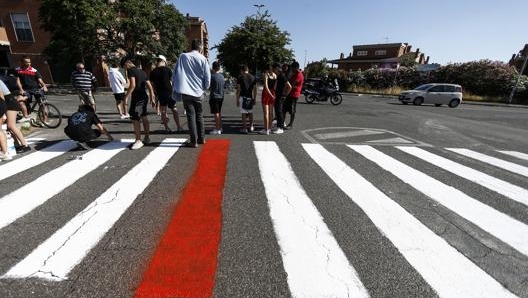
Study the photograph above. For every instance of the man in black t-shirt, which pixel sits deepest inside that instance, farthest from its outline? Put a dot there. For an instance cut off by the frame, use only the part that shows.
(246, 94)
(161, 78)
(29, 81)
(283, 88)
(139, 99)
(79, 126)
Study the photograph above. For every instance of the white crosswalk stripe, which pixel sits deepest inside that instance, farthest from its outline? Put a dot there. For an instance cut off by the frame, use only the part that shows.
(55, 258)
(310, 253)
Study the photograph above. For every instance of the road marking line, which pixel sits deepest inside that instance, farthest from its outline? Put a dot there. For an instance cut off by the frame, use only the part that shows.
(346, 134)
(184, 263)
(506, 165)
(516, 154)
(448, 272)
(315, 264)
(58, 255)
(35, 158)
(498, 224)
(397, 140)
(34, 194)
(502, 187)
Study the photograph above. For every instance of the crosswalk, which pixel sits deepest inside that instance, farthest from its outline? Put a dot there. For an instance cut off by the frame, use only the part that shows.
(313, 257)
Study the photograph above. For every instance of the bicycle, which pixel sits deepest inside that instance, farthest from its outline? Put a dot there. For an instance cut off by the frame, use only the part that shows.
(47, 114)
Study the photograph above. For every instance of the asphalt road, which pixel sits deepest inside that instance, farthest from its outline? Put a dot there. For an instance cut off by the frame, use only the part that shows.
(254, 259)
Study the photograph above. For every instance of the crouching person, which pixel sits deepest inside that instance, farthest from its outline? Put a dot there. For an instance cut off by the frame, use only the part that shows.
(79, 127)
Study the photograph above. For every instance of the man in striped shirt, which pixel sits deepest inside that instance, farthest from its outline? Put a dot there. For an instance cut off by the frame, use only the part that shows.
(84, 81)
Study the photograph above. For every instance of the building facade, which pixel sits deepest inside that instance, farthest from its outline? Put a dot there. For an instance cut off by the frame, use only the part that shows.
(21, 35)
(387, 55)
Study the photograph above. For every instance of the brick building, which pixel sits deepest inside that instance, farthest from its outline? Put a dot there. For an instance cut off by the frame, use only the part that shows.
(387, 55)
(21, 35)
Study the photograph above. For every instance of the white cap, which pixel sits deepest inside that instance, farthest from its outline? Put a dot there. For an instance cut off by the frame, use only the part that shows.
(162, 58)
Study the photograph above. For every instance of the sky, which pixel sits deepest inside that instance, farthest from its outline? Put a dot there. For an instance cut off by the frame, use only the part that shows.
(448, 31)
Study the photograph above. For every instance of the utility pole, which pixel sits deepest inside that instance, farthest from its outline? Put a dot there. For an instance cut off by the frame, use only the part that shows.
(514, 89)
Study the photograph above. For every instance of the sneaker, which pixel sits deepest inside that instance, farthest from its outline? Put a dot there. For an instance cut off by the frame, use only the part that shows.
(23, 149)
(23, 120)
(278, 131)
(243, 130)
(137, 144)
(123, 117)
(146, 140)
(127, 116)
(5, 156)
(264, 132)
(215, 132)
(251, 128)
(83, 145)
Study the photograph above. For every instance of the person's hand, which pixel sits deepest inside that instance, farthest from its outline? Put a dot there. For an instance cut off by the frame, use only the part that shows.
(44, 88)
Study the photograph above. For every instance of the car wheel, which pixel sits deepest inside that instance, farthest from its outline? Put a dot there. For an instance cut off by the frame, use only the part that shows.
(418, 101)
(438, 104)
(454, 103)
(404, 102)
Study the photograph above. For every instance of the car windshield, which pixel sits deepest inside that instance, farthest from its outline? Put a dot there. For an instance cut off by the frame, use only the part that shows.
(423, 87)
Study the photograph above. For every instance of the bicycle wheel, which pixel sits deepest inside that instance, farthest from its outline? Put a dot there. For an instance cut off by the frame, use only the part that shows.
(49, 115)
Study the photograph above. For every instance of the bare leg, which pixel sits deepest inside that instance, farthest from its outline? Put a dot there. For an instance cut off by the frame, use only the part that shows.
(137, 129)
(146, 126)
(176, 118)
(11, 125)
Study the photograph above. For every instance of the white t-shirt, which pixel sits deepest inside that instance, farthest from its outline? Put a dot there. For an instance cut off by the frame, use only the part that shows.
(117, 81)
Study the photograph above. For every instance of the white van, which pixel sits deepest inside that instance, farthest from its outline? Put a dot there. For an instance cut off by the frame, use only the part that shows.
(433, 93)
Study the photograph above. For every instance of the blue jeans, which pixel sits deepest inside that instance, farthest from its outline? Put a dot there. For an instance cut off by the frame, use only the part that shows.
(193, 108)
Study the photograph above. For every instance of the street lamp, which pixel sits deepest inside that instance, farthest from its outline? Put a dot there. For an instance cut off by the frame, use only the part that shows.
(521, 54)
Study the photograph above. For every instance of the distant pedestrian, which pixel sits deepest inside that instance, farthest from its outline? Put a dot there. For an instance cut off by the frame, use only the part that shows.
(283, 88)
(117, 84)
(79, 127)
(192, 76)
(85, 83)
(269, 80)
(161, 78)
(296, 81)
(246, 94)
(216, 97)
(139, 99)
(29, 82)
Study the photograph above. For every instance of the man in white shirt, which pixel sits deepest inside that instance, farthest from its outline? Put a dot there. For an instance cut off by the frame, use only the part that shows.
(191, 77)
(117, 83)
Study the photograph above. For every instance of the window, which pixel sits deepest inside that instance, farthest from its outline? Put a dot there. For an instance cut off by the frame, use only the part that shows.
(449, 88)
(361, 53)
(22, 26)
(439, 88)
(380, 53)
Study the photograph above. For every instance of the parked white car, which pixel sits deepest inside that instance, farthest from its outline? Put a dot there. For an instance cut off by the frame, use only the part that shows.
(433, 93)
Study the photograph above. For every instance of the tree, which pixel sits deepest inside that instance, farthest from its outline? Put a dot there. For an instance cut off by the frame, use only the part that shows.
(257, 42)
(87, 29)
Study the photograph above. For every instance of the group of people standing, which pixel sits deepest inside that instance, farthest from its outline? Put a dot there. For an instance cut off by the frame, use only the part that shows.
(282, 87)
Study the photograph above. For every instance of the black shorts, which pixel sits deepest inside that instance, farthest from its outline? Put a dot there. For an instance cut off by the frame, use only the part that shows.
(216, 105)
(3, 108)
(165, 99)
(82, 136)
(119, 97)
(11, 103)
(290, 105)
(138, 108)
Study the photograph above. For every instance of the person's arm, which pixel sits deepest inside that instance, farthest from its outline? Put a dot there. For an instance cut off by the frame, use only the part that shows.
(131, 87)
(19, 85)
(103, 130)
(287, 89)
(42, 85)
(237, 94)
(153, 99)
(94, 83)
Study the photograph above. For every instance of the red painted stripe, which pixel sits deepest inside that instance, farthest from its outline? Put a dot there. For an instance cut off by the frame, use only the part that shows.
(184, 263)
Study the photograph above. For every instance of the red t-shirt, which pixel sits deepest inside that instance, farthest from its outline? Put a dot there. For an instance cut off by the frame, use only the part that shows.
(296, 80)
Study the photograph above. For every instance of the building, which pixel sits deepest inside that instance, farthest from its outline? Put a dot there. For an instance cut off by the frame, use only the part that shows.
(518, 60)
(197, 29)
(387, 55)
(21, 35)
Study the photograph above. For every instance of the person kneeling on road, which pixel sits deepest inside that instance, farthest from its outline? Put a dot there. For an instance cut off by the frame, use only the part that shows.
(79, 127)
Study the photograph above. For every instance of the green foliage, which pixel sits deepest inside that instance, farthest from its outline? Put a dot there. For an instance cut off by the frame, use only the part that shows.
(257, 42)
(86, 29)
(317, 69)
